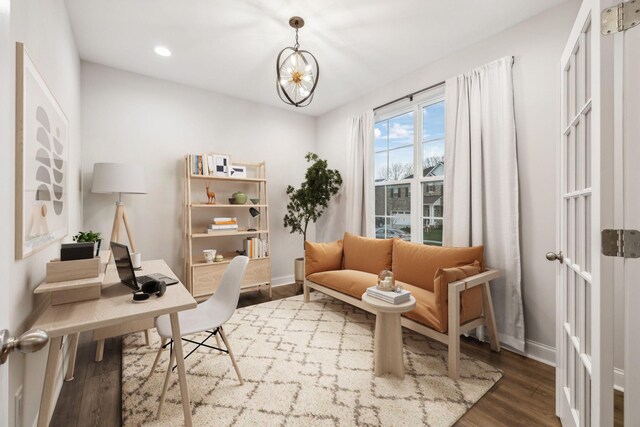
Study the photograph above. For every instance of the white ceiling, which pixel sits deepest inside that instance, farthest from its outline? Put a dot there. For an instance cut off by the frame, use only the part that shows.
(230, 46)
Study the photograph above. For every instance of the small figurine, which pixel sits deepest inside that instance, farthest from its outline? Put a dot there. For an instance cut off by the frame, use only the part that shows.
(211, 196)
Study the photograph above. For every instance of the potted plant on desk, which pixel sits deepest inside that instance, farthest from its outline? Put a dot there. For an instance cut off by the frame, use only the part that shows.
(89, 237)
(308, 203)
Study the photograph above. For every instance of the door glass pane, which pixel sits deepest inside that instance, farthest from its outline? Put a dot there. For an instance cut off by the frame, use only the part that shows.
(401, 130)
(587, 68)
(432, 212)
(579, 167)
(579, 230)
(571, 162)
(587, 233)
(587, 317)
(587, 149)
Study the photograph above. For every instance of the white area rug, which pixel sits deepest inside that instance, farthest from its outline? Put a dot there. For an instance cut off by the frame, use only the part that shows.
(303, 364)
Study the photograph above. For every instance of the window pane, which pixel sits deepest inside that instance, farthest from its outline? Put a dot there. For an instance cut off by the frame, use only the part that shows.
(432, 212)
(401, 130)
(433, 121)
(380, 200)
(380, 166)
(433, 158)
(398, 211)
(400, 163)
(381, 136)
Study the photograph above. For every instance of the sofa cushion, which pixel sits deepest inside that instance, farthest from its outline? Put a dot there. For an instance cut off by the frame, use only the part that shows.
(425, 311)
(365, 254)
(417, 264)
(322, 256)
(350, 282)
(470, 299)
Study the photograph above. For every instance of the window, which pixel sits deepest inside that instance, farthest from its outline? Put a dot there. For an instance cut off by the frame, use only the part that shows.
(406, 141)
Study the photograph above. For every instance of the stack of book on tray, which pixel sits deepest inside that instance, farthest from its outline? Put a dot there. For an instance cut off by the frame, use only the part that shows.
(392, 297)
(223, 224)
(255, 248)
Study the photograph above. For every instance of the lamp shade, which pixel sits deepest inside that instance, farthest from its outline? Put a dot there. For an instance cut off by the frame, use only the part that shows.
(118, 178)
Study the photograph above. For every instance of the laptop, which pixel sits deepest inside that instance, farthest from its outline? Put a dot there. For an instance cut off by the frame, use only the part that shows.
(125, 269)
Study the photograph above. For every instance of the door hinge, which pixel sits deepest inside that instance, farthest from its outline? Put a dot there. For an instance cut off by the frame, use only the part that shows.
(621, 243)
(620, 17)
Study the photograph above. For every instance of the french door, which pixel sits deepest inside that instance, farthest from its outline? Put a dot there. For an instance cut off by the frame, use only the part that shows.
(584, 375)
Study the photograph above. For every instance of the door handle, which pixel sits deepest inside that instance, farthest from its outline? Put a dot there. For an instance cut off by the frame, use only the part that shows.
(29, 342)
(552, 256)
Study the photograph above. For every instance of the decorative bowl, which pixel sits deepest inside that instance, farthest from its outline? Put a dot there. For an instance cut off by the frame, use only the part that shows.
(255, 201)
(239, 197)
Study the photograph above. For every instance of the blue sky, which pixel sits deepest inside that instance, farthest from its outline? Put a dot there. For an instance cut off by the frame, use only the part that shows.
(396, 135)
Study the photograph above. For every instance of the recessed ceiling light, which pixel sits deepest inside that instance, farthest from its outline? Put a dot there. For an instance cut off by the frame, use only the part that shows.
(162, 51)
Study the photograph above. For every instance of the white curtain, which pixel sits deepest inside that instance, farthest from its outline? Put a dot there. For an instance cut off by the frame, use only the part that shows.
(358, 190)
(481, 201)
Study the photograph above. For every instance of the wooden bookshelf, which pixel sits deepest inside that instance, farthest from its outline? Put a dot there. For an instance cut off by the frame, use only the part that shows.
(201, 278)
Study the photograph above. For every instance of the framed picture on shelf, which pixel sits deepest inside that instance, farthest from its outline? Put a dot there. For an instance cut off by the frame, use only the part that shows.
(221, 165)
(41, 161)
(238, 171)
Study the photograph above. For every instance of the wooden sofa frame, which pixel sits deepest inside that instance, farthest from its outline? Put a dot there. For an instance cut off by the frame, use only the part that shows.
(452, 337)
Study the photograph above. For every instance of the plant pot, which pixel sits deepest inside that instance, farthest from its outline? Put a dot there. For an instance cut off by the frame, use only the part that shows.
(299, 270)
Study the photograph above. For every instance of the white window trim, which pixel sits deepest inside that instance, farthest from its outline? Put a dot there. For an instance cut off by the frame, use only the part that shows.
(430, 97)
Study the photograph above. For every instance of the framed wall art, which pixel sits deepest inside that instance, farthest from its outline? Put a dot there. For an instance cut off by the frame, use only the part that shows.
(42, 150)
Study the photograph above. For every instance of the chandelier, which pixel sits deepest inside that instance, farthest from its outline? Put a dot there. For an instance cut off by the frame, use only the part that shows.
(297, 71)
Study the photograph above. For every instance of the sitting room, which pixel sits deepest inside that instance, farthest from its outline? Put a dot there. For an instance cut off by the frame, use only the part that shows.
(354, 213)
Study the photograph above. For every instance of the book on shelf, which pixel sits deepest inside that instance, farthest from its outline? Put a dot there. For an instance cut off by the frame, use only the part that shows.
(255, 247)
(392, 297)
(225, 221)
(216, 227)
(202, 164)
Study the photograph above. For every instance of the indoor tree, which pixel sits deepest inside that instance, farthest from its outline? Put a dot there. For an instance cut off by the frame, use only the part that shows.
(308, 203)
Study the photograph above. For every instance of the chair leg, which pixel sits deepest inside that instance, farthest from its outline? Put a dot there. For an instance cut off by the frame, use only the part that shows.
(233, 360)
(305, 290)
(454, 332)
(490, 317)
(155, 362)
(166, 384)
(218, 341)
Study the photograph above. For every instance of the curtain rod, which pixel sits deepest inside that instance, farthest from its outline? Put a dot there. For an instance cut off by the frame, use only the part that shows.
(412, 94)
(408, 96)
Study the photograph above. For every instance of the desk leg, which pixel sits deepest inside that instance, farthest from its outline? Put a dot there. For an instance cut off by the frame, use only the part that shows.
(73, 350)
(46, 400)
(182, 374)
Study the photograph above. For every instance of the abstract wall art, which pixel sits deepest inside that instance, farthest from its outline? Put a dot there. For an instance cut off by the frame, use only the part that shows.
(41, 161)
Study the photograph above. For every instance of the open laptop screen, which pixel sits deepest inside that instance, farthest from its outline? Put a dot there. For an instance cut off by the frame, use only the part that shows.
(123, 265)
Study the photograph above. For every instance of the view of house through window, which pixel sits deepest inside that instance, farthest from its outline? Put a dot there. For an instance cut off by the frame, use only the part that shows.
(409, 205)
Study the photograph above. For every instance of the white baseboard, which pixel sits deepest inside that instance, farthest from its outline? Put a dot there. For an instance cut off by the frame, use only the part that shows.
(282, 280)
(547, 355)
(618, 379)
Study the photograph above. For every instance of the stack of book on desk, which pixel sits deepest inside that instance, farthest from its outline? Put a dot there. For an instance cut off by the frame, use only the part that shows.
(392, 297)
(223, 224)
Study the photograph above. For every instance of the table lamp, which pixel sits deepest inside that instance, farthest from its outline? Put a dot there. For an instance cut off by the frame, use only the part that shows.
(120, 178)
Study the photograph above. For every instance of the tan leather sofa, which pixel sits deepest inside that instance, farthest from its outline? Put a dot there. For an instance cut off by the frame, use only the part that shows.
(436, 276)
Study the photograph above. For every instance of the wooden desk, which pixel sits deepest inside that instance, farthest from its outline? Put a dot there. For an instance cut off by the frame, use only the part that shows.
(113, 308)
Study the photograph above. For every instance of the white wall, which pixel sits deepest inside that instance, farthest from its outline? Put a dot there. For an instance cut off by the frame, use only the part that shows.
(44, 28)
(536, 44)
(132, 118)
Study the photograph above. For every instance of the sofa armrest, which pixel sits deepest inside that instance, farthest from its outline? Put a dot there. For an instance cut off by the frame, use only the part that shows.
(473, 281)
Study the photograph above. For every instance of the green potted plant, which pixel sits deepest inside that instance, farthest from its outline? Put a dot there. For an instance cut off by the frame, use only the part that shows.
(308, 203)
(89, 237)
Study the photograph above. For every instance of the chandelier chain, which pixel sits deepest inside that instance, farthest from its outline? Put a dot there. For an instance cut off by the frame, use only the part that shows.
(297, 45)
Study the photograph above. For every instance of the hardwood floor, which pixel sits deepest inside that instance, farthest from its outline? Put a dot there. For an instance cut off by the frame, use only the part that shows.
(525, 396)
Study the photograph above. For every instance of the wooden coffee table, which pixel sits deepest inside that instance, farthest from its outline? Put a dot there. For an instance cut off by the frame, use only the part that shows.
(387, 348)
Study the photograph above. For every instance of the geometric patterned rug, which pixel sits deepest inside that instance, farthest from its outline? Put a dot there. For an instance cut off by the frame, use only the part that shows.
(303, 364)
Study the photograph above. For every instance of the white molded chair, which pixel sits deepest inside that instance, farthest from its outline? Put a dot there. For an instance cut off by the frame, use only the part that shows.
(209, 316)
